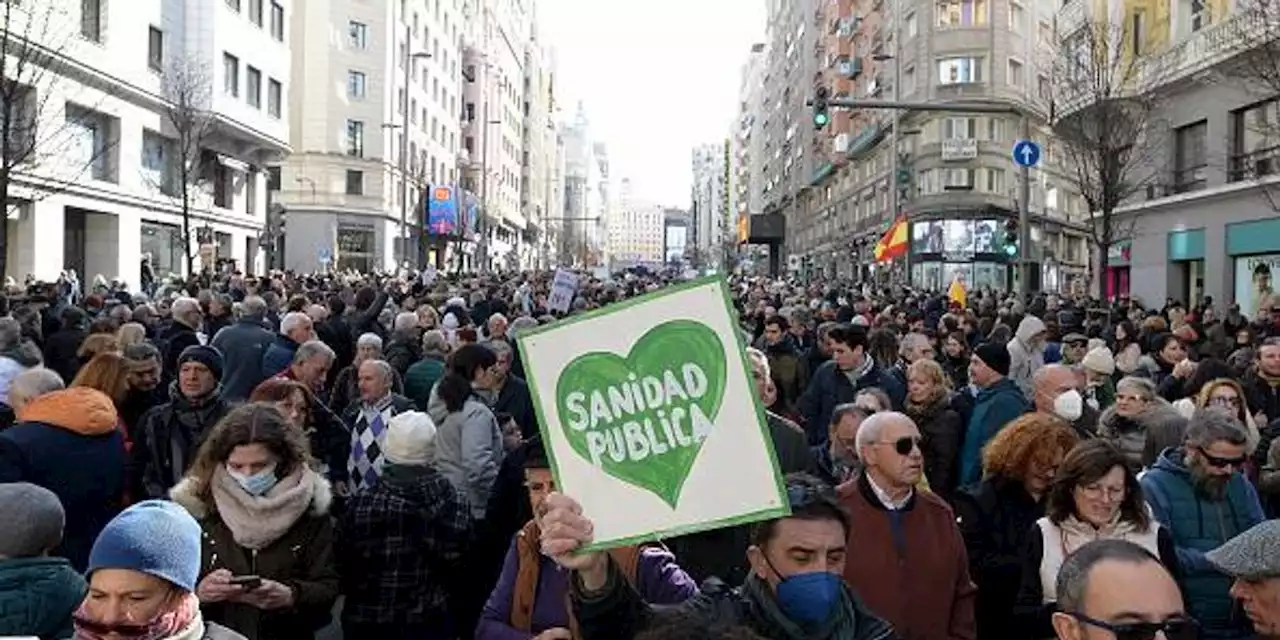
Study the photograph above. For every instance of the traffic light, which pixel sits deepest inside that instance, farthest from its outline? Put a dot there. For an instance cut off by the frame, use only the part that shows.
(820, 116)
(1011, 237)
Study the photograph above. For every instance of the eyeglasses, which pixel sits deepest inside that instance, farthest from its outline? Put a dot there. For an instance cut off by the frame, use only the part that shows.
(1177, 629)
(1225, 401)
(1222, 463)
(904, 445)
(1112, 494)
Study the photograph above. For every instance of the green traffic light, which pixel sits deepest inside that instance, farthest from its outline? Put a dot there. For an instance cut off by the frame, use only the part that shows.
(1011, 250)
(821, 119)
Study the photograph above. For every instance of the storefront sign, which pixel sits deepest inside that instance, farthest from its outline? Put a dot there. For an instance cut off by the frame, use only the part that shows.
(1255, 284)
(959, 149)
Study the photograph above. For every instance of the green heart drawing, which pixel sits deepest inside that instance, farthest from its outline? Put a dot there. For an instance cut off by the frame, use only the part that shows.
(655, 407)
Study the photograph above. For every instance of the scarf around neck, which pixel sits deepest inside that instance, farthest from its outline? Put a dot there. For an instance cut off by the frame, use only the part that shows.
(1076, 533)
(183, 622)
(929, 408)
(256, 522)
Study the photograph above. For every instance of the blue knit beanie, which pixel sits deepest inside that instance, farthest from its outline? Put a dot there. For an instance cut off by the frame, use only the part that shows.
(155, 537)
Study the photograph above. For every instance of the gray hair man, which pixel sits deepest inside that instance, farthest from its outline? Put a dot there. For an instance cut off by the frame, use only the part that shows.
(244, 345)
(369, 417)
(1200, 493)
(405, 347)
(31, 384)
(311, 363)
(295, 329)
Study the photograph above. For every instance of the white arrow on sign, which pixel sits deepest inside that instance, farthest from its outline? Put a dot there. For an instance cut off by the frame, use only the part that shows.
(1027, 154)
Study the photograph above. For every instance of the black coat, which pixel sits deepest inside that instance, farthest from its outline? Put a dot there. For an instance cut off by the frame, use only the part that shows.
(995, 519)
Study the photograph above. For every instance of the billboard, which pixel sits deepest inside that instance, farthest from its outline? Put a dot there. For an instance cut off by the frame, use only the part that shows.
(1255, 290)
(442, 212)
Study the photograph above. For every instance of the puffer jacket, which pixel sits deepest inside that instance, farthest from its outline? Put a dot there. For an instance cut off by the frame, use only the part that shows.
(38, 596)
(1199, 525)
(468, 448)
(1024, 362)
(1128, 434)
(69, 442)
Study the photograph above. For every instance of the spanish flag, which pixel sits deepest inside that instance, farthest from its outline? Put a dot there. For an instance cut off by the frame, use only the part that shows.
(894, 242)
(958, 293)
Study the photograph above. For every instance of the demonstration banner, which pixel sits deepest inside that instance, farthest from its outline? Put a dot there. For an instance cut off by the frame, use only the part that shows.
(650, 417)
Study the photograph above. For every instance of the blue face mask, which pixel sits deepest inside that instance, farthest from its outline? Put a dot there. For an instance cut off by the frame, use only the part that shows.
(258, 484)
(808, 598)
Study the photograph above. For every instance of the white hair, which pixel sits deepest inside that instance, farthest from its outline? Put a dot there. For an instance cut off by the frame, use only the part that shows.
(311, 349)
(405, 321)
(759, 359)
(370, 340)
(33, 383)
(912, 341)
(384, 369)
(184, 306)
(871, 429)
(293, 320)
(253, 306)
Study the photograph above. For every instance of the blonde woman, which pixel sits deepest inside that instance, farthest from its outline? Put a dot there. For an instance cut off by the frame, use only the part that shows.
(131, 333)
(1228, 395)
(929, 405)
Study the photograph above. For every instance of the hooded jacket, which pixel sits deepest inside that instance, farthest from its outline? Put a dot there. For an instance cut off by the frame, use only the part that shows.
(68, 442)
(1199, 525)
(1024, 361)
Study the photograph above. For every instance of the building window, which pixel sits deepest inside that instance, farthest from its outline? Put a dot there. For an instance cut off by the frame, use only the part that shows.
(959, 129)
(355, 182)
(253, 87)
(355, 138)
(1189, 157)
(90, 142)
(277, 21)
(1015, 73)
(1043, 88)
(251, 192)
(961, 13)
(1254, 142)
(1199, 15)
(1017, 16)
(356, 85)
(274, 98)
(959, 70)
(231, 75)
(255, 12)
(1139, 32)
(358, 35)
(91, 20)
(913, 25)
(234, 4)
(155, 49)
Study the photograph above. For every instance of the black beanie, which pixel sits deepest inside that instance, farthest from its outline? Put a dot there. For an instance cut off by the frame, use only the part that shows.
(205, 355)
(994, 355)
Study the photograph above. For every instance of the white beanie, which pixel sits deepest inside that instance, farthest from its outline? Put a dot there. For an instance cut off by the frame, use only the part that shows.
(410, 440)
(1099, 360)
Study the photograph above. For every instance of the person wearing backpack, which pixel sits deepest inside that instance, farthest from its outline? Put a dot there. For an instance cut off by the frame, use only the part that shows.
(532, 594)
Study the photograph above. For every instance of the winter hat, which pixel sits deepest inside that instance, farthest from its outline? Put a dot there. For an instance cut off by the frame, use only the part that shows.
(410, 439)
(1099, 360)
(994, 355)
(205, 355)
(31, 520)
(155, 537)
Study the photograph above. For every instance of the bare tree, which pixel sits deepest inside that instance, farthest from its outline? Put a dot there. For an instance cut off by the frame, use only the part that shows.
(1253, 32)
(182, 169)
(41, 141)
(1106, 119)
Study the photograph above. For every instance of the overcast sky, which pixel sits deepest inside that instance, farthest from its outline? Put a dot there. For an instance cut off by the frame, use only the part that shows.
(658, 77)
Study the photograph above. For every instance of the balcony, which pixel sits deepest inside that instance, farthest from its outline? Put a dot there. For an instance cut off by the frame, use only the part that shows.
(1254, 165)
(1190, 179)
(850, 68)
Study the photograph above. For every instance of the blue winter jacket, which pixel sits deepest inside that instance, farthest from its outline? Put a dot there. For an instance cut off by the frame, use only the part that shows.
(278, 356)
(1199, 525)
(995, 406)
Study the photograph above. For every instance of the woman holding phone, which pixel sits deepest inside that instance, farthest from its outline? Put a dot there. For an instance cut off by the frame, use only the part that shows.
(267, 568)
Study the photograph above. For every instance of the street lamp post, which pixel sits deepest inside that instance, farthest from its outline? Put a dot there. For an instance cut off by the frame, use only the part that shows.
(409, 56)
(484, 189)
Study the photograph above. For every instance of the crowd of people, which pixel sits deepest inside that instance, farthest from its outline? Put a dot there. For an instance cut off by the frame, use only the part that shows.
(265, 458)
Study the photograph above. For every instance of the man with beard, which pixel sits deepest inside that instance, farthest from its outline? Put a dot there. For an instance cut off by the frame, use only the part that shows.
(1200, 493)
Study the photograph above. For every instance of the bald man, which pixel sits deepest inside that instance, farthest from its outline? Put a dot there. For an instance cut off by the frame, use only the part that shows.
(1057, 393)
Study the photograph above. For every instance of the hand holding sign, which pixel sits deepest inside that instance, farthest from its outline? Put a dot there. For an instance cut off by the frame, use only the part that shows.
(564, 531)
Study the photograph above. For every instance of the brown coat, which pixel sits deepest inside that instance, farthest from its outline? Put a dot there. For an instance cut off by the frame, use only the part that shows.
(525, 591)
(302, 559)
(914, 575)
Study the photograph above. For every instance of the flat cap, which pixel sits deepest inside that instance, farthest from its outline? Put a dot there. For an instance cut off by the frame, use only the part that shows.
(1250, 555)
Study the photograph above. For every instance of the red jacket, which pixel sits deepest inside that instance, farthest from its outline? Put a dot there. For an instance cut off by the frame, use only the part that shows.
(910, 565)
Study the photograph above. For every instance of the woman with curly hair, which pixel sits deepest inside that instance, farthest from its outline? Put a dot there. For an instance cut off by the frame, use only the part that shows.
(267, 568)
(996, 515)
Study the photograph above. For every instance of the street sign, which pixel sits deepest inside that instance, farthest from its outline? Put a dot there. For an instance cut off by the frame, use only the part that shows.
(1026, 153)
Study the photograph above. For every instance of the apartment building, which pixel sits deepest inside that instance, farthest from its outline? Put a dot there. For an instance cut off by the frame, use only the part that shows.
(747, 135)
(1206, 222)
(955, 178)
(538, 156)
(95, 183)
(712, 210)
(794, 28)
(635, 232)
(585, 203)
(373, 126)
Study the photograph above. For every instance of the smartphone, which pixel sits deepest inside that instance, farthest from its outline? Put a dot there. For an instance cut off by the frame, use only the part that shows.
(248, 583)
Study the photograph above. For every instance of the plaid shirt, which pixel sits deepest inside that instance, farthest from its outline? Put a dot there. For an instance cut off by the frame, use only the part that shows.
(397, 542)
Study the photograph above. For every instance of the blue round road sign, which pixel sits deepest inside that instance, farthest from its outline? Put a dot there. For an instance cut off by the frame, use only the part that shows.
(1026, 153)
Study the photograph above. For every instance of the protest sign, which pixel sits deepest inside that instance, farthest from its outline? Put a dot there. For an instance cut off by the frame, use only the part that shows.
(650, 417)
(563, 288)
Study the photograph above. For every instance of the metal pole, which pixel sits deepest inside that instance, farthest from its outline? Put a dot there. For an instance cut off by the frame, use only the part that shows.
(1024, 219)
(895, 199)
(482, 250)
(404, 145)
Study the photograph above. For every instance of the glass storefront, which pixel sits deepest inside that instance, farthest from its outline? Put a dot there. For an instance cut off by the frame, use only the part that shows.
(943, 250)
(162, 243)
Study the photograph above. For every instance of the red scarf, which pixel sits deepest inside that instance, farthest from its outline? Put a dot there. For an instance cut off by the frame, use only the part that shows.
(168, 624)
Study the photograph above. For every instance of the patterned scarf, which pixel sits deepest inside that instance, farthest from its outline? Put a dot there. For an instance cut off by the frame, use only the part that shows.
(180, 622)
(1076, 533)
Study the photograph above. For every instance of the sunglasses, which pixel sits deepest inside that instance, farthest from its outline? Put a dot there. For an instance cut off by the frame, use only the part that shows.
(905, 444)
(1177, 629)
(1222, 462)
(124, 630)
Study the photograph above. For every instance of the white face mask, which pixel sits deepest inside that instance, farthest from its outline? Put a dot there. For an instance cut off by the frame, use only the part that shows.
(1069, 406)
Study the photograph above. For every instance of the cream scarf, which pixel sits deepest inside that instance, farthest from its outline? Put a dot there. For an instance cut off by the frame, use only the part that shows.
(256, 522)
(1076, 533)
